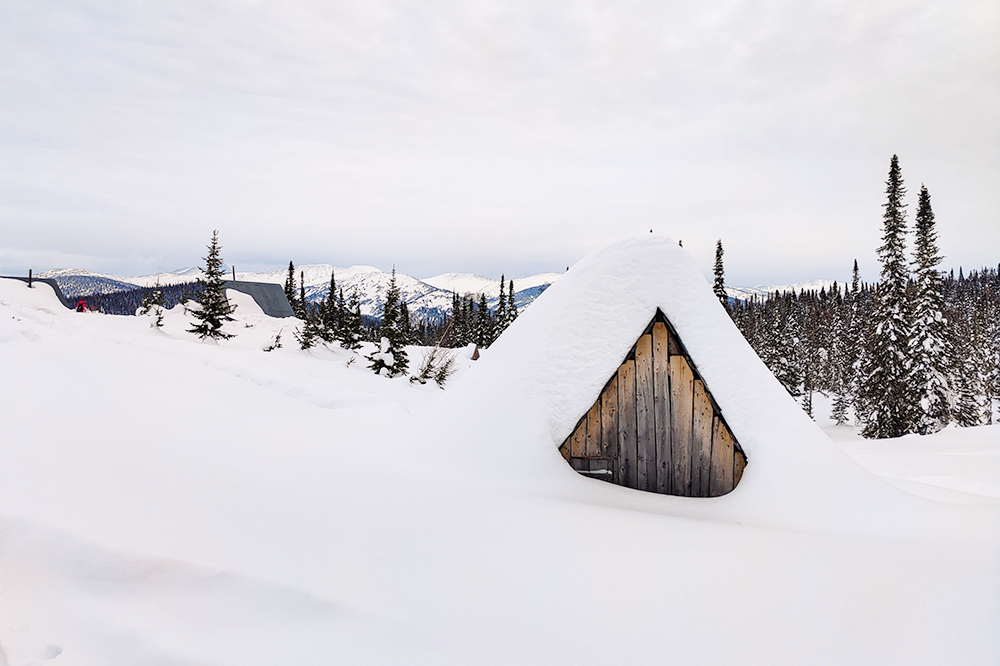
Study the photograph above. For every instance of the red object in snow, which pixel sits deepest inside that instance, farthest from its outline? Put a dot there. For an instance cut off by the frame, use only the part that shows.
(81, 306)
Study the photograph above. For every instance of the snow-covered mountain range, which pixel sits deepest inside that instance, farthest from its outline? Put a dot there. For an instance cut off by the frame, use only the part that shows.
(761, 291)
(426, 297)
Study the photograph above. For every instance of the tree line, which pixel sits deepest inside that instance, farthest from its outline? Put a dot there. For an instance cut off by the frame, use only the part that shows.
(336, 319)
(910, 354)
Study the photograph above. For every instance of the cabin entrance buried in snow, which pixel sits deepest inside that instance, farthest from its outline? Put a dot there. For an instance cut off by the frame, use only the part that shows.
(655, 425)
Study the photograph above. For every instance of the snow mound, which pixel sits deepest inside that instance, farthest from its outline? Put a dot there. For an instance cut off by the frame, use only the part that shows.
(551, 364)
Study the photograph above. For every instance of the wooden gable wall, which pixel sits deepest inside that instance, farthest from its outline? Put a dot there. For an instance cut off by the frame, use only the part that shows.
(655, 426)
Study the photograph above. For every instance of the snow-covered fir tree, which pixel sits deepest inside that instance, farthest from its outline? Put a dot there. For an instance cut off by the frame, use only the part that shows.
(406, 331)
(719, 285)
(484, 323)
(352, 328)
(885, 386)
(390, 356)
(303, 305)
(840, 375)
(291, 293)
(212, 310)
(500, 314)
(929, 344)
(511, 306)
(152, 304)
(331, 312)
(311, 331)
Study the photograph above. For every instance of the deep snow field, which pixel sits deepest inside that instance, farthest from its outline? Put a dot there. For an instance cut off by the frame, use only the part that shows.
(169, 501)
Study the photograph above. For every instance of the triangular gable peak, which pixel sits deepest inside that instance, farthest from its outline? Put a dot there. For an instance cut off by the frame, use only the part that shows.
(655, 425)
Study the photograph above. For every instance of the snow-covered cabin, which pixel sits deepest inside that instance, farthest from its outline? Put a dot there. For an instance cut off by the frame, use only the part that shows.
(655, 425)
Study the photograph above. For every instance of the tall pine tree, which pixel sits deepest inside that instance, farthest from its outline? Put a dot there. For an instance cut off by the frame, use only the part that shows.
(484, 324)
(214, 309)
(500, 315)
(886, 382)
(511, 306)
(929, 345)
(390, 356)
(290, 291)
(303, 305)
(352, 329)
(719, 286)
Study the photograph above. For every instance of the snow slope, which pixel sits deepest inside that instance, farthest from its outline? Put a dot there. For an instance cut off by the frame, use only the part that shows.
(166, 500)
(425, 298)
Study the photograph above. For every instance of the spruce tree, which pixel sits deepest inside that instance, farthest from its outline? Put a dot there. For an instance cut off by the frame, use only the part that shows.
(886, 383)
(857, 343)
(719, 286)
(839, 355)
(405, 325)
(484, 324)
(152, 303)
(390, 356)
(290, 291)
(500, 316)
(311, 331)
(214, 309)
(965, 379)
(511, 306)
(303, 311)
(353, 328)
(331, 312)
(929, 346)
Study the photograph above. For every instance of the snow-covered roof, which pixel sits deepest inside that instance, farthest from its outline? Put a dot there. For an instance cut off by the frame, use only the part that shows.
(541, 376)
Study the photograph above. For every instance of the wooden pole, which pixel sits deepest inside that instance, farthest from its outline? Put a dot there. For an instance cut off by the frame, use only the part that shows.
(234, 273)
(29, 278)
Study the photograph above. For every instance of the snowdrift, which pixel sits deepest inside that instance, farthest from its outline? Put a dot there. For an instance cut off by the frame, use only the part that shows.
(533, 385)
(167, 500)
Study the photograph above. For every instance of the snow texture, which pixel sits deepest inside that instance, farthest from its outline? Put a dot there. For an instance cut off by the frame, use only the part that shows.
(169, 501)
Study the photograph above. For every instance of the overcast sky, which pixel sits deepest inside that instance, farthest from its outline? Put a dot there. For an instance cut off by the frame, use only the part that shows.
(491, 137)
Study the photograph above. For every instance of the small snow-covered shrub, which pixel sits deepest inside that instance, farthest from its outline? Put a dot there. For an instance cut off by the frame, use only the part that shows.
(275, 343)
(437, 365)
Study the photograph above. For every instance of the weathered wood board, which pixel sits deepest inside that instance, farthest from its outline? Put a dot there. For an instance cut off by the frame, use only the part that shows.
(701, 441)
(628, 453)
(592, 445)
(682, 422)
(645, 426)
(722, 459)
(609, 420)
(655, 426)
(661, 406)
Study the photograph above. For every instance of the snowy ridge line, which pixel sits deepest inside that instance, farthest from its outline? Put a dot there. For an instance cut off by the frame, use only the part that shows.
(427, 298)
(425, 301)
(764, 290)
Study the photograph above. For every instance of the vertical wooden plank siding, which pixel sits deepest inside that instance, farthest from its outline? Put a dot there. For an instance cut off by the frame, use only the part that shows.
(681, 419)
(701, 441)
(661, 406)
(655, 427)
(722, 459)
(576, 442)
(593, 442)
(645, 425)
(626, 425)
(609, 420)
